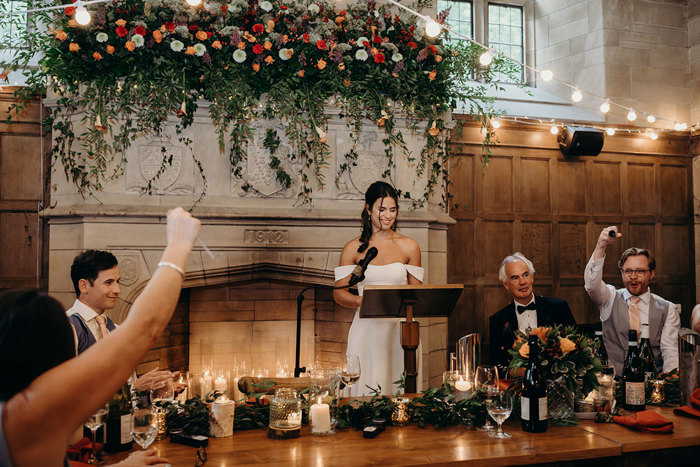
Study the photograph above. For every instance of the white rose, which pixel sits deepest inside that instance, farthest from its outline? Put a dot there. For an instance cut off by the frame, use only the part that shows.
(239, 56)
(314, 9)
(265, 6)
(283, 54)
(397, 57)
(137, 39)
(361, 55)
(361, 41)
(176, 45)
(101, 37)
(199, 49)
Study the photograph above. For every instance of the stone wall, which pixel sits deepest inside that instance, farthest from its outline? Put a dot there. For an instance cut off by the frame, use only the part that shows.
(694, 54)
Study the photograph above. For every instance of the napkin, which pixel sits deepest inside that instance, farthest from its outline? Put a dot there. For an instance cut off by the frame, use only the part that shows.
(647, 421)
(80, 451)
(692, 409)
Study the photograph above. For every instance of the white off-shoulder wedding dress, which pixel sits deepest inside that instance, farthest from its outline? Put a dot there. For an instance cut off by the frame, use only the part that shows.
(377, 341)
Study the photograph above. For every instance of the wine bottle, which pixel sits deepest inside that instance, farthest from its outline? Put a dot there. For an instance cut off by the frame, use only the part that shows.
(647, 355)
(633, 376)
(533, 401)
(118, 435)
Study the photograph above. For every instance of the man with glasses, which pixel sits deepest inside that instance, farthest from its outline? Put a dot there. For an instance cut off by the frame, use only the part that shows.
(628, 308)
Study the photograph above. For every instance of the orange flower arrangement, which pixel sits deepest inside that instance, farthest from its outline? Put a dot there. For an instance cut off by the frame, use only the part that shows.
(216, 45)
(97, 56)
(130, 46)
(201, 35)
(73, 47)
(110, 49)
(190, 50)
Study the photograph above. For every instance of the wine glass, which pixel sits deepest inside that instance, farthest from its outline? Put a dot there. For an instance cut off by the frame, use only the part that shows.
(93, 423)
(144, 426)
(486, 382)
(499, 407)
(351, 373)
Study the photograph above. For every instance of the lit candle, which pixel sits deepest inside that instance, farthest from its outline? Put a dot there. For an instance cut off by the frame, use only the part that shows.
(294, 419)
(221, 420)
(220, 384)
(462, 385)
(320, 416)
(207, 382)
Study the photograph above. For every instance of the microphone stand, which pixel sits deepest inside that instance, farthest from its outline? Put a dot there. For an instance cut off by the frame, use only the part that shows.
(300, 299)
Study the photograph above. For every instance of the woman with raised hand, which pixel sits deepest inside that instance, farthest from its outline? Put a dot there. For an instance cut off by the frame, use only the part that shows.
(377, 341)
(45, 394)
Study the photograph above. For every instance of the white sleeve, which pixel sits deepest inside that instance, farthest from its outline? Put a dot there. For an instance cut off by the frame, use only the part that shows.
(343, 271)
(602, 294)
(416, 271)
(669, 337)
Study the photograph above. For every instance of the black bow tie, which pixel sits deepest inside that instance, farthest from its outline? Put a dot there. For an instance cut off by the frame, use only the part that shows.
(529, 306)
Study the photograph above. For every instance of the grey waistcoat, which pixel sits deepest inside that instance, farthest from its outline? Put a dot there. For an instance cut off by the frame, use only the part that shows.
(616, 329)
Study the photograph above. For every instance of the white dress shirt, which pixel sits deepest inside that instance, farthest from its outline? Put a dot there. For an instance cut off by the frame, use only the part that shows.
(603, 295)
(526, 319)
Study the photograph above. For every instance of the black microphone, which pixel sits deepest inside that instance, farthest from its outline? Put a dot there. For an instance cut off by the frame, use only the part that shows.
(358, 274)
(612, 233)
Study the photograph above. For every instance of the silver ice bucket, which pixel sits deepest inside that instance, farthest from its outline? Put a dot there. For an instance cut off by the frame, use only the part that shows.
(689, 362)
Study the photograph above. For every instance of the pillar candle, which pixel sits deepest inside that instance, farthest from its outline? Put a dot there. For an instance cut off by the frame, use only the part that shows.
(220, 384)
(221, 417)
(320, 416)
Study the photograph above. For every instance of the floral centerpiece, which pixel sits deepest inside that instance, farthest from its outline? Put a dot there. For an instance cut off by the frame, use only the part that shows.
(140, 63)
(566, 360)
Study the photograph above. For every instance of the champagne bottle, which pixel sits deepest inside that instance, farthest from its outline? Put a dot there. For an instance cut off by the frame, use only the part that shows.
(533, 401)
(647, 355)
(118, 435)
(633, 376)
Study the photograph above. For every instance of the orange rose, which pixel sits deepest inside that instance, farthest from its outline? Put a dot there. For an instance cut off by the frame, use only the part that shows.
(339, 20)
(346, 82)
(157, 36)
(432, 75)
(110, 49)
(130, 46)
(540, 332)
(270, 26)
(72, 23)
(73, 47)
(525, 351)
(438, 58)
(269, 60)
(97, 56)
(434, 131)
(256, 67)
(241, 45)
(301, 73)
(285, 38)
(289, 52)
(341, 66)
(321, 64)
(120, 22)
(190, 50)
(201, 35)
(61, 35)
(267, 45)
(566, 345)
(216, 45)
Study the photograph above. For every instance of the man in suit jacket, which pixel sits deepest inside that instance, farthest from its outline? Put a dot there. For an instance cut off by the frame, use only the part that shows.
(526, 311)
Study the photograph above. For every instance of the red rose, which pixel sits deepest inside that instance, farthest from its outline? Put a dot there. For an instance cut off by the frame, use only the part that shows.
(122, 31)
(321, 44)
(433, 49)
(306, 37)
(209, 34)
(376, 39)
(140, 30)
(193, 27)
(379, 57)
(258, 49)
(170, 26)
(258, 28)
(70, 10)
(412, 45)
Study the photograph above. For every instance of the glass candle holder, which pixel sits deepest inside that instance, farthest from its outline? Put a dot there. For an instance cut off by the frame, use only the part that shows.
(401, 414)
(323, 413)
(657, 394)
(285, 414)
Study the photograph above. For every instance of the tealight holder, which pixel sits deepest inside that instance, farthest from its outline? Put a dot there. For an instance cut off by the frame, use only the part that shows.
(401, 414)
(657, 393)
(285, 414)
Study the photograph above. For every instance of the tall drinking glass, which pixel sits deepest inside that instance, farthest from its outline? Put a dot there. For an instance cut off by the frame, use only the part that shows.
(95, 421)
(486, 382)
(499, 407)
(144, 426)
(352, 371)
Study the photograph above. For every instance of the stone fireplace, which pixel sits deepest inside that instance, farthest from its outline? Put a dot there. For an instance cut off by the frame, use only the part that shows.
(240, 305)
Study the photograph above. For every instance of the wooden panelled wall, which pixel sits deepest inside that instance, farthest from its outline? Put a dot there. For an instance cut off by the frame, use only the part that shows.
(529, 198)
(24, 250)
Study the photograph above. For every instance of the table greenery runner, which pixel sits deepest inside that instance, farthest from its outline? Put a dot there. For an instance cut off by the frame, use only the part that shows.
(141, 63)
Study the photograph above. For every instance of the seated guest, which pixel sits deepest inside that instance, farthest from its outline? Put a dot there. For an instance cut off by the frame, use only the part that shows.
(95, 276)
(45, 393)
(630, 307)
(527, 311)
(695, 319)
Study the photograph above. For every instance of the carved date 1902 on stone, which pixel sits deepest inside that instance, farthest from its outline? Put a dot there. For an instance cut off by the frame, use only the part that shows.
(277, 237)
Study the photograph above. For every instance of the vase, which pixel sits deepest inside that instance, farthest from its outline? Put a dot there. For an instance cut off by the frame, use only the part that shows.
(560, 400)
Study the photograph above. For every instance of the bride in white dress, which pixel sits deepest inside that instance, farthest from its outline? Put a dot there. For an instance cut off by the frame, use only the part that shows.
(377, 341)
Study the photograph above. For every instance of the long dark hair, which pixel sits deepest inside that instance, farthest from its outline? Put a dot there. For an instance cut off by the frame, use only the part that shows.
(35, 336)
(375, 191)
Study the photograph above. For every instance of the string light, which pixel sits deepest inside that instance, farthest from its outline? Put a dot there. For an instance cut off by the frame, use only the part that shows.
(610, 131)
(576, 96)
(605, 106)
(496, 123)
(653, 135)
(432, 28)
(554, 130)
(651, 118)
(631, 115)
(679, 126)
(82, 16)
(194, 2)
(486, 58)
(546, 75)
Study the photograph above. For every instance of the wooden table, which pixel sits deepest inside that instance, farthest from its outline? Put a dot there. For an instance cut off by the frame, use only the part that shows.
(586, 444)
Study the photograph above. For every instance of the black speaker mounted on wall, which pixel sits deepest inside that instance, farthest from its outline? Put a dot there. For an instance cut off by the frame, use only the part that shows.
(580, 141)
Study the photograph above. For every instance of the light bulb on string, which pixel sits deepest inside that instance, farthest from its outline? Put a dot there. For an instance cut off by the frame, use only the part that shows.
(651, 118)
(546, 75)
(653, 135)
(486, 58)
(432, 28)
(554, 129)
(194, 2)
(610, 131)
(605, 106)
(679, 126)
(631, 115)
(496, 123)
(82, 16)
(576, 96)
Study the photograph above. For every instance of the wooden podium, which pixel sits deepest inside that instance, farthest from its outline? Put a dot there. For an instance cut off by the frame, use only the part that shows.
(409, 301)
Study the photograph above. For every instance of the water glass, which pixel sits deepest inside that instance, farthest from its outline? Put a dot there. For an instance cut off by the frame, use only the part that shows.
(486, 382)
(144, 426)
(95, 421)
(499, 407)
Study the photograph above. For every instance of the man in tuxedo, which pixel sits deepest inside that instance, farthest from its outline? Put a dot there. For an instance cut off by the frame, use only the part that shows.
(526, 311)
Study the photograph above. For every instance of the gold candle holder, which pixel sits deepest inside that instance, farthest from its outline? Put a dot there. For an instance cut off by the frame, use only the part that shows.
(402, 413)
(657, 394)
